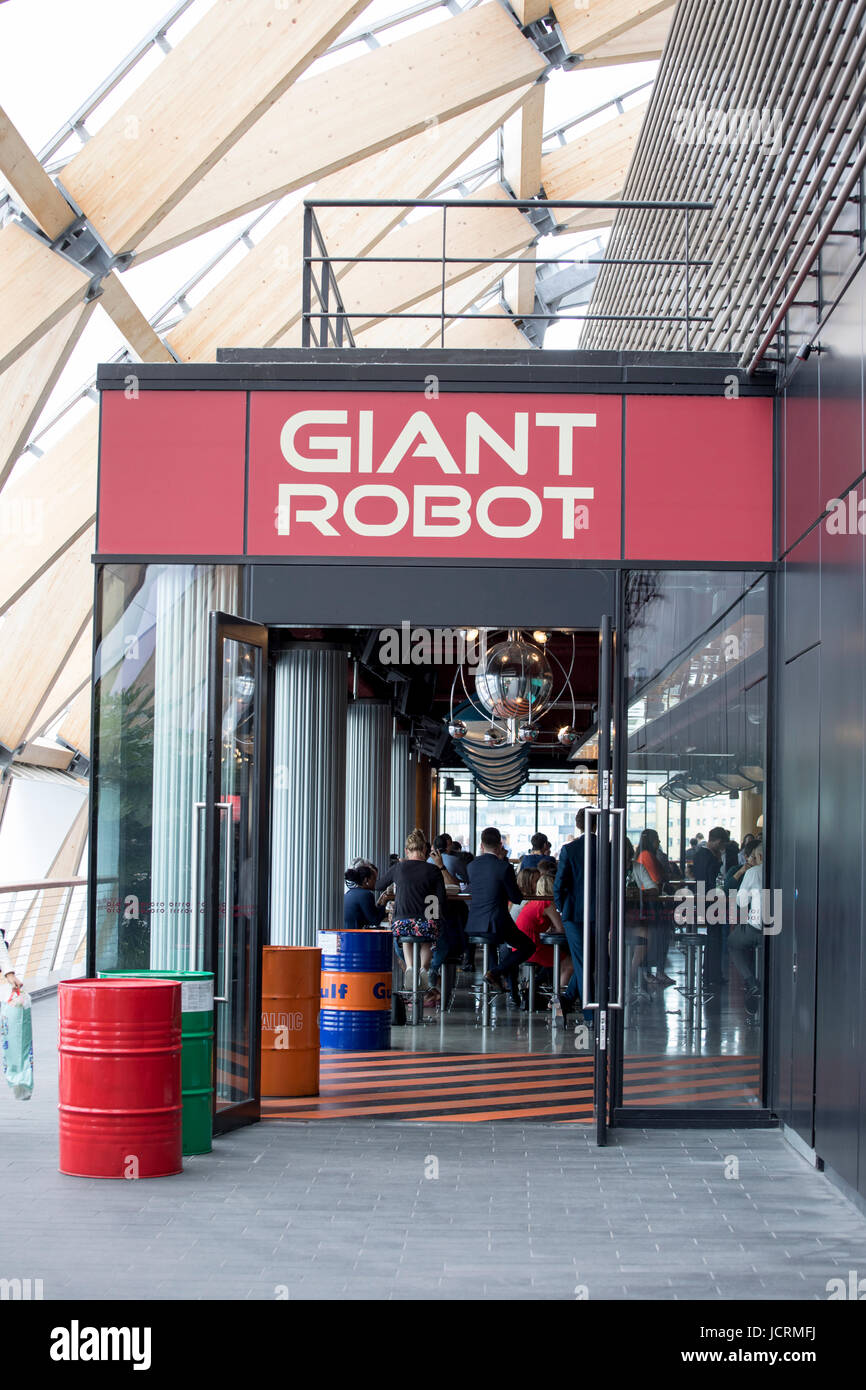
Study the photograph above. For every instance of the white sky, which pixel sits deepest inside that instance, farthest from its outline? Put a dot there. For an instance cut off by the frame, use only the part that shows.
(54, 54)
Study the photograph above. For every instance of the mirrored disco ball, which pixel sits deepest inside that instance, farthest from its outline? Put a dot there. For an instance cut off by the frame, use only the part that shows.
(515, 681)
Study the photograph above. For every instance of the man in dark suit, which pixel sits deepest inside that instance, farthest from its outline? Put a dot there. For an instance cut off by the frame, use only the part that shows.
(568, 898)
(493, 886)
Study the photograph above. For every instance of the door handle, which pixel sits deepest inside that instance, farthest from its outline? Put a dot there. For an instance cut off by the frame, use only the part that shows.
(587, 859)
(223, 998)
(620, 911)
(197, 808)
(587, 851)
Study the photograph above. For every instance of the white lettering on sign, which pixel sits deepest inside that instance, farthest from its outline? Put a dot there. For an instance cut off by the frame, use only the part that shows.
(334, 443)
(420, 439)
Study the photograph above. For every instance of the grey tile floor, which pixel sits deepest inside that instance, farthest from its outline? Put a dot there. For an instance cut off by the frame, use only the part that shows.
(401, 1211)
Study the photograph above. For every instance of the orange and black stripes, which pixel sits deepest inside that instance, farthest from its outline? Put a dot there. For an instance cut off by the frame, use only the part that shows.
(504, 1085)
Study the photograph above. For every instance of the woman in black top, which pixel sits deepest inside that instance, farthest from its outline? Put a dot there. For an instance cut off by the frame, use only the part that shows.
(359, 905)
(419, 907)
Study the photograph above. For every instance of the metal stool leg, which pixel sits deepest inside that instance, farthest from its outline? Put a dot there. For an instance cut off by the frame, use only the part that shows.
(531, 969)
(485, 988)
(555, 998)
(416, 981)
(699, 986)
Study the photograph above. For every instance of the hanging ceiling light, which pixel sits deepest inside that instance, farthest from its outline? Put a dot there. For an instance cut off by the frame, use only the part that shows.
(513, 685)
(514, 679)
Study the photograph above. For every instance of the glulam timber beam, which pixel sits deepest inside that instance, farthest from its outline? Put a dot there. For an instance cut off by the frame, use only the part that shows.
(56, 608)
(641, 44)
(588, 27)
(53, 216)
(30, 183)
(47, 506)
(335, 118)
(521, 139)
(222, 78)
(594, 165)
(415, 270)
(260, 299)
(26, 385)
(37, 290)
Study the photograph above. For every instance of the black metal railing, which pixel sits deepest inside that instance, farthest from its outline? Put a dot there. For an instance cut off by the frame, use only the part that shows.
(329, 322)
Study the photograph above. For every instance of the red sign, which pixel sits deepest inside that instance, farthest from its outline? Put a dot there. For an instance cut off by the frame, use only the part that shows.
(171, 472)
(378, 473)
(457, 476)
(699, 478)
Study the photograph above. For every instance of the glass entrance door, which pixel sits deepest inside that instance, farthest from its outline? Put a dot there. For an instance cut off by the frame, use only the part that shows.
(691, 763)
(235, 840)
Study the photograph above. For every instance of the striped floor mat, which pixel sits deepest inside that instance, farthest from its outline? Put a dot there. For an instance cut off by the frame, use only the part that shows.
(471, 1087)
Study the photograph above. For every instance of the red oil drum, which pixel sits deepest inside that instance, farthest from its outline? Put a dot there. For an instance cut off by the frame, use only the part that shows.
(290, 1020)
(121, 1106)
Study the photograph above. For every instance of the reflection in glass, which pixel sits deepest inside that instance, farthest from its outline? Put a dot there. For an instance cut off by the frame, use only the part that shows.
(149, 750)
(696, 701)
(236, 868)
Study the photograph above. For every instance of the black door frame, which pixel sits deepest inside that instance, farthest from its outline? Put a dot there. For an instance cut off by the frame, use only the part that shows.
(222, 627)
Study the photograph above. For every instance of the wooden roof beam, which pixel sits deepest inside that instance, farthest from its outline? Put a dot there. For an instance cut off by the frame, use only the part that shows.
(522, 139)
(260, 300)
(595, 164)
(25, 387)
(338, 117)
(221, 79)
(589, 25)
(472, 233)
(56, 497)
(56, 607)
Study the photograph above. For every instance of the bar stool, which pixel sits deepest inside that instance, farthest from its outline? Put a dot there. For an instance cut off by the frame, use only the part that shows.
(693, 946)
(485, 942)
(556, 940)
(416, 994)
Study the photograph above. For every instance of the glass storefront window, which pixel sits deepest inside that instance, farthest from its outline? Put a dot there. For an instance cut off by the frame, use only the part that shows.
(149, 751)
(696, 699)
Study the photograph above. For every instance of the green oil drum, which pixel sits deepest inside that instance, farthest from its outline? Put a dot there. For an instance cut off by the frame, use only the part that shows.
(197, 1051)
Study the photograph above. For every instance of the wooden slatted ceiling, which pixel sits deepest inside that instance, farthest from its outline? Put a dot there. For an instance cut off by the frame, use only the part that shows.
(38, 634)
(26, 385)
(340, 116)
(594, 165)
(260, 299)
(198, 102)
(57, 498)
(589, 27)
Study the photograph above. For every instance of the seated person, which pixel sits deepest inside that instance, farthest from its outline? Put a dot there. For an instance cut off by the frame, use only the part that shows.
(360, 908)
(651, 868)
(443, 856)
(540, 850)
(527, 879)
(538, 917)
(420, 904)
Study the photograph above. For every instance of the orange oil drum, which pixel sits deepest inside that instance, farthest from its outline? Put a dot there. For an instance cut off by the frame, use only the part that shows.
(290, 1020)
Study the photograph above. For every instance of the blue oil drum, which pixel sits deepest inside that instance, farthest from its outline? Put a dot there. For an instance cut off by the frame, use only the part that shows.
(355, 1011)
